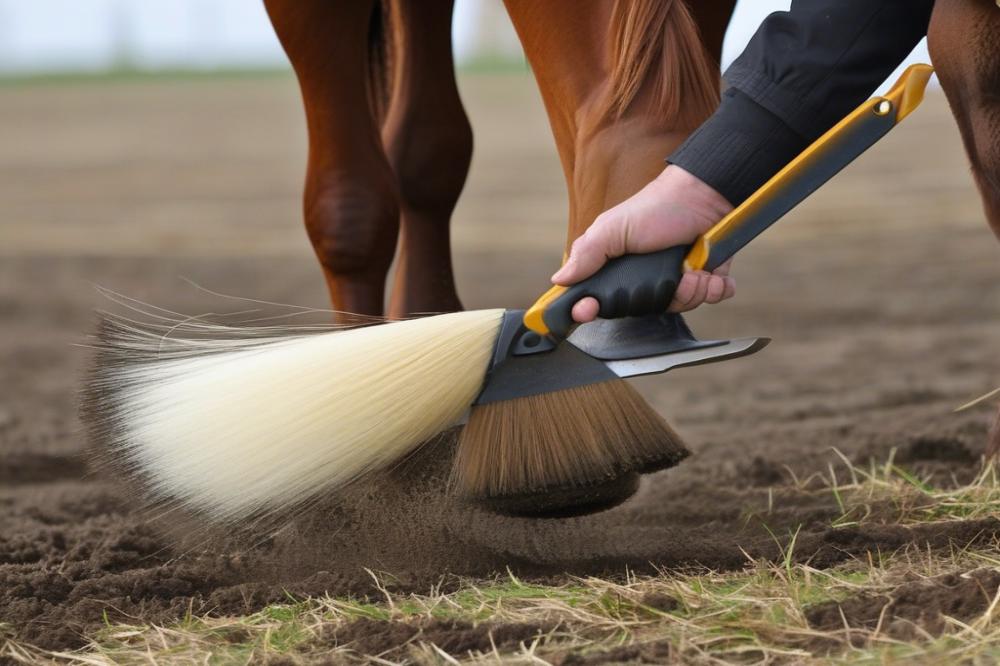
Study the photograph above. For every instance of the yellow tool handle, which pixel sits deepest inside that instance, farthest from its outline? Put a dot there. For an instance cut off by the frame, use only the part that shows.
(823, 159)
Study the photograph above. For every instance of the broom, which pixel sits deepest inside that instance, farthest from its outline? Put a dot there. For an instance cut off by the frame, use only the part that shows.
(513, 452)
(234, 423)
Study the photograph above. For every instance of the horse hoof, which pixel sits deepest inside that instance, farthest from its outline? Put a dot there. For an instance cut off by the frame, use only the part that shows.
(566, 501)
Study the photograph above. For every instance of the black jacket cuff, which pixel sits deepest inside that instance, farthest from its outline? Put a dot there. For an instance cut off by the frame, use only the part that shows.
(738, 148)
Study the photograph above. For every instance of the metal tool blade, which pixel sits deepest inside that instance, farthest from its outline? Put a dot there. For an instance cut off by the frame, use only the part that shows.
(651, 365)
(525, 364)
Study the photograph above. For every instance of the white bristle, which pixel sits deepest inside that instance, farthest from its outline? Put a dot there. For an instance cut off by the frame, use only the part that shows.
(239, 426)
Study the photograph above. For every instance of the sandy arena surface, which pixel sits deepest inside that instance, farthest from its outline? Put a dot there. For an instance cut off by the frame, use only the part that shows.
(882, 294)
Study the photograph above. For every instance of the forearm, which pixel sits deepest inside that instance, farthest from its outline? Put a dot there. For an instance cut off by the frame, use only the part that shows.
(802, 71)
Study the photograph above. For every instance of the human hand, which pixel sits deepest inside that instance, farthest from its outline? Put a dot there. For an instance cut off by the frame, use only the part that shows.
(674, 209)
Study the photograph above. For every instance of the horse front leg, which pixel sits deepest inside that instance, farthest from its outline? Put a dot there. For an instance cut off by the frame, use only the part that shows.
(619, 152)
(608, 157)
(428, 141)
(350, 198)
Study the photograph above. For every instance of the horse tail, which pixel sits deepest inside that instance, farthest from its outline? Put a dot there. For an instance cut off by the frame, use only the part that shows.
(380, 59)
(660, 39)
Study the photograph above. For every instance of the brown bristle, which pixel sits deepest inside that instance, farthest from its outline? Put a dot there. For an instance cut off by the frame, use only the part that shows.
(570, 438)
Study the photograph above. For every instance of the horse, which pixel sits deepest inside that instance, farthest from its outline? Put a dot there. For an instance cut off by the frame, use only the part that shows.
(390, 143)
(964, 43)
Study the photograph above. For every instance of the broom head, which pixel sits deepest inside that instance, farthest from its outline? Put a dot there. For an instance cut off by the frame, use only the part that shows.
(575, 450)
(232, 423)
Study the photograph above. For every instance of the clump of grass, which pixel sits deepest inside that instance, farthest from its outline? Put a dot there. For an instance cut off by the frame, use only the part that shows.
(888, 493)
(756, 615)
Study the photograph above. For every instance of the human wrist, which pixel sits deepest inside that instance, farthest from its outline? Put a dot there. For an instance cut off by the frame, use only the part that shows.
(706, 204)
(739, 147)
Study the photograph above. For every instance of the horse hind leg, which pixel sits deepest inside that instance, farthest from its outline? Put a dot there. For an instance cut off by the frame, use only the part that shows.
(964, 42)
(428, 141)
(350, 198)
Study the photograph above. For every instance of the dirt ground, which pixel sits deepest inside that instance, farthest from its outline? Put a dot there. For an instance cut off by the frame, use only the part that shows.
(882, 295)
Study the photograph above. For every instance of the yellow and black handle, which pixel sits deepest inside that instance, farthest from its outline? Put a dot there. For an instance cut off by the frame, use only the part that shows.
(641, 284)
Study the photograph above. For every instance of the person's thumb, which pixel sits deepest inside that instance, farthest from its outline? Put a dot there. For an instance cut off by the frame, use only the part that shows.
(589, 252)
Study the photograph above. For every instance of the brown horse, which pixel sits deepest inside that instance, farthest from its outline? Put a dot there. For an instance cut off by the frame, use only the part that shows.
(964, 41)
(390, 144)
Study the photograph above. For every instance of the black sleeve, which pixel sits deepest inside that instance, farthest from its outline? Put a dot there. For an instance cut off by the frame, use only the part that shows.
(802, 71)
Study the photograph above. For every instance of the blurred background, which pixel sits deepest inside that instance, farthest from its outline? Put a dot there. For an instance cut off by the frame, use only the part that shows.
(173, 115)
(58, 36)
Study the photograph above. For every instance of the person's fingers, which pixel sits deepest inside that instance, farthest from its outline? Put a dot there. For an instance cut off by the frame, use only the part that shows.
(700, 291)
(695, 288)
(730, 287)
(585, 310)
(716, 289)
(591, 250)
(685, 291)
(690, 292)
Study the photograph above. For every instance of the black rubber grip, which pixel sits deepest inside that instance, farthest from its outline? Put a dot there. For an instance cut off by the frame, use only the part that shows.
(628, 286)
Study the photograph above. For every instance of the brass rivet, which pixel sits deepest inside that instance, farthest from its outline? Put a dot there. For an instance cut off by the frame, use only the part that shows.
(885, 106)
